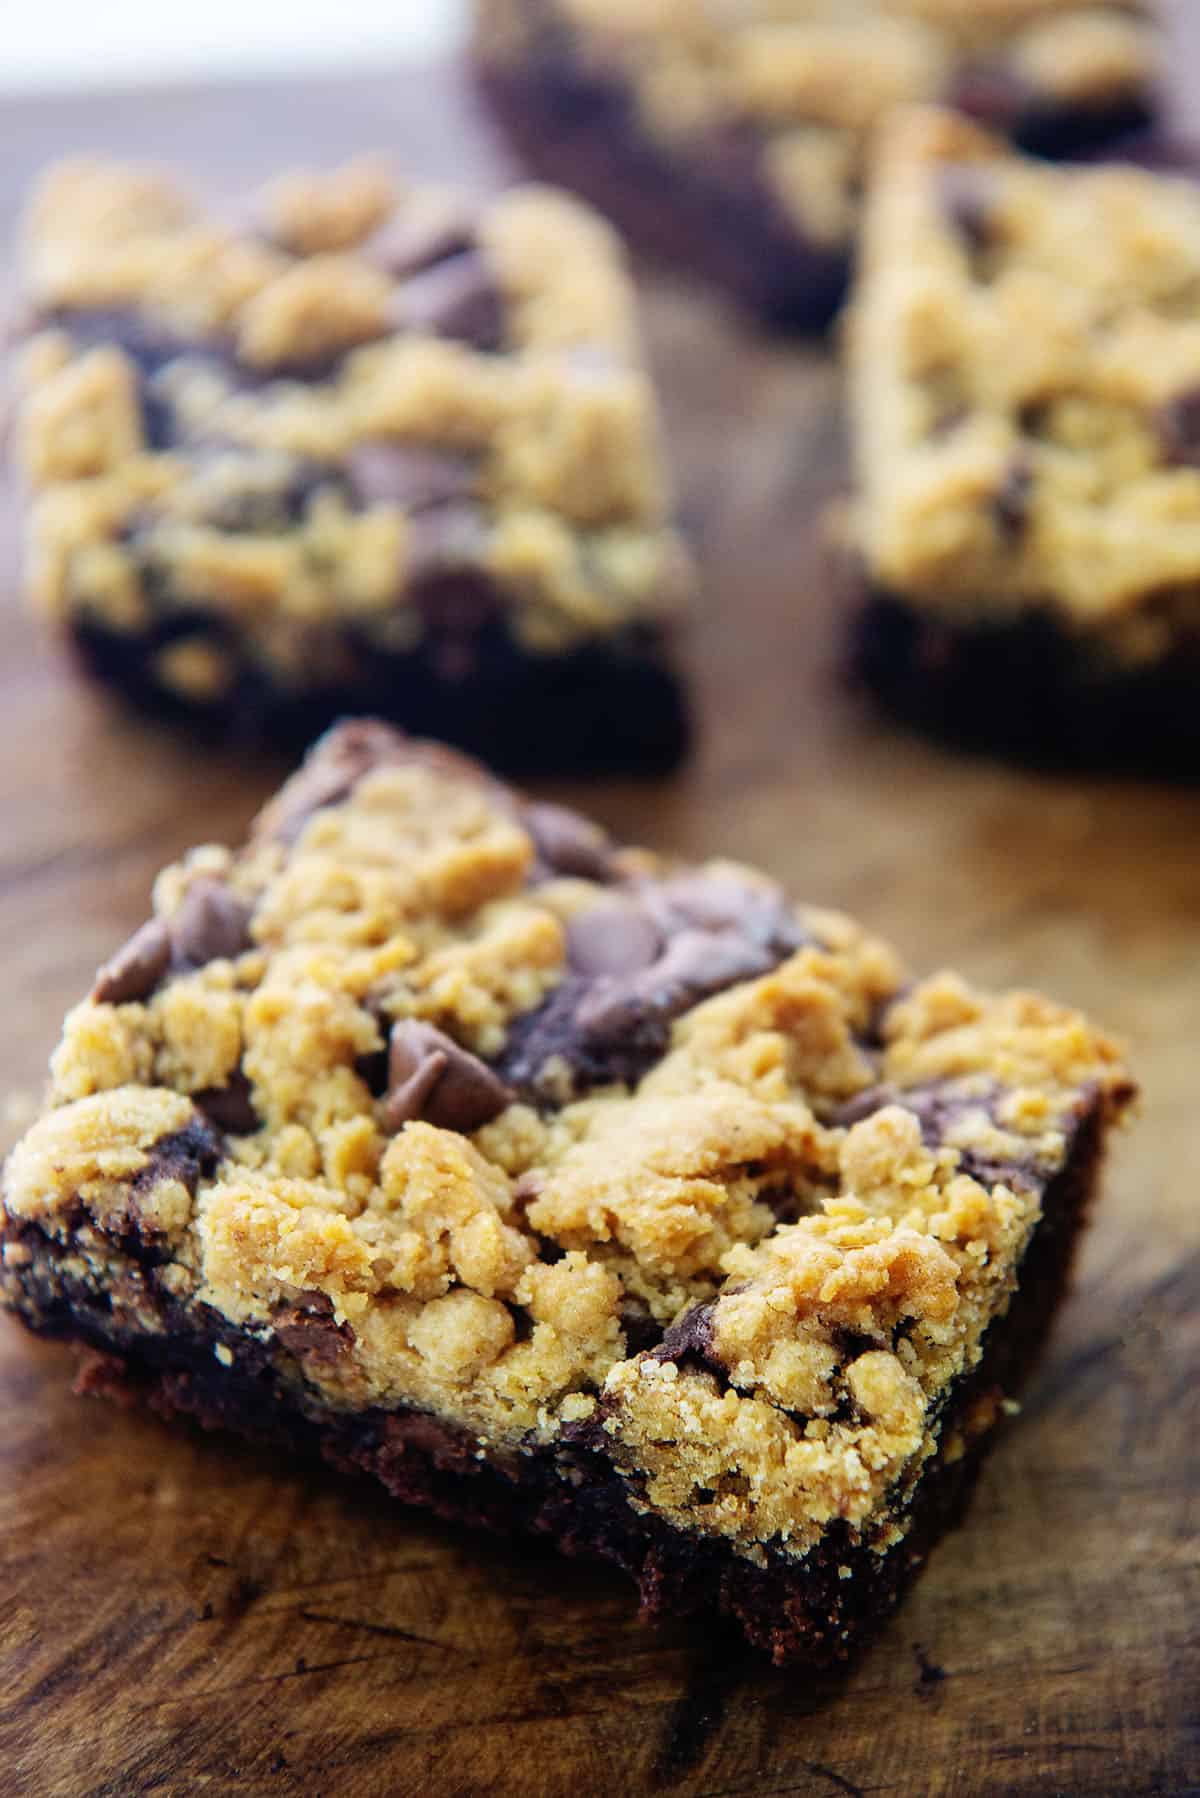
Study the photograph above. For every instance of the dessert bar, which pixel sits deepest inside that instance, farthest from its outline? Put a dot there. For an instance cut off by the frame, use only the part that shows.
(732, 139)
(1024, 356)
(352, 447)
(562, 1188)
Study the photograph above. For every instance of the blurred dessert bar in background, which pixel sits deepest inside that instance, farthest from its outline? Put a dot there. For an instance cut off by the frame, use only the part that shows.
(352, 446)
(1024, 351)
(731, 138)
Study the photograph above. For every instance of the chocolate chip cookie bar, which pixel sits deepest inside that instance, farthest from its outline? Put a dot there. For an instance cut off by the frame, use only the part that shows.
(353, 447)
(1025, 375)
(562, 1188)
(733, 140)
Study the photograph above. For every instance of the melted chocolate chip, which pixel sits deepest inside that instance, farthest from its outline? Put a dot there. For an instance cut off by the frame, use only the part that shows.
(569, 844)
(410, 475)
(136, 969)
(188, 1155)
(690, 1339)
(635, 965)
(309, 1331)
(939, 1107)
(212, 924)
(1178, 424)
(434, 1078)
(614, 937)
(230, 1107)
(694, 964)
(455, 298)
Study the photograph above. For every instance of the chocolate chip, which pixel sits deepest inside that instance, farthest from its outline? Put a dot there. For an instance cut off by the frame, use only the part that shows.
(230, 1107)
(992, 92)
(136, 969)
(212, 924)
(446, 539)
(434, 1078)
(967, 195)
(1010, 505)
(716, 899)
(614, 937)
(413, 240)
(864, 1105)
(568, 843)
(410, 475)
(188, 1155)
(1178, 426)
(455, 298)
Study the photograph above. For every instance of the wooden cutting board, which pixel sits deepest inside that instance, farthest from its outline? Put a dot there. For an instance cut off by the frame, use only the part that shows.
(178, 1615)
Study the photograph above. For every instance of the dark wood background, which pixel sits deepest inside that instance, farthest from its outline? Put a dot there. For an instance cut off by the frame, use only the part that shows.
(179, 1616)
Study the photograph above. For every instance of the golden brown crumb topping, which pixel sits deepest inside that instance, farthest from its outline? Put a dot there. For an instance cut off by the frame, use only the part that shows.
(817, 77)
(317, 411)
(1025, 368)
(511, 1103)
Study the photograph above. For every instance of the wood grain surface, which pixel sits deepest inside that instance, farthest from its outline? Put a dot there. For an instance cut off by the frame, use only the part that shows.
(178, 1615)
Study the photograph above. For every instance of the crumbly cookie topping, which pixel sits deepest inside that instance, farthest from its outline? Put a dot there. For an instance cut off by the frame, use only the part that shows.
(815, 78)
(1025, 371)
(565, 1143)
(353, 406)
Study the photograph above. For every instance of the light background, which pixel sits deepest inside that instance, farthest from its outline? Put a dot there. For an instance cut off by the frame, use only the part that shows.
(57, 44)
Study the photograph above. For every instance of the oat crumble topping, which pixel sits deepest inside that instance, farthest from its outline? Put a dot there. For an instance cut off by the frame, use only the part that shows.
(302, 415)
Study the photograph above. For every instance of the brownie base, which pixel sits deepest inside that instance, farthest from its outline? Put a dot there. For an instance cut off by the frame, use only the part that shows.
(1029, 690)
(712, 213)
(604, 709)
(805, 1611)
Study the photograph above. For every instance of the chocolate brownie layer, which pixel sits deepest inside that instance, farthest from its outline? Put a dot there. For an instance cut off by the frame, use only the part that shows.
(359, 449)
(736, 146)
(562, 1187)
(1023, 391)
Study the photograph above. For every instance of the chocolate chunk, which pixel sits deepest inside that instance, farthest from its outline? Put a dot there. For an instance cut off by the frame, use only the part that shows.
(1010, 506)
(212, 924)
(230, 1107)
(614, 937)
(136, 969)
(410, 475)
(434, 1078)
(456, 298)
(568, 843)
(1178, 426)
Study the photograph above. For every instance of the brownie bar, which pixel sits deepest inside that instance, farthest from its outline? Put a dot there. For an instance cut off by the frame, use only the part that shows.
(1023, 395)
(359, 449)
(735, 148)
(561, 1188)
